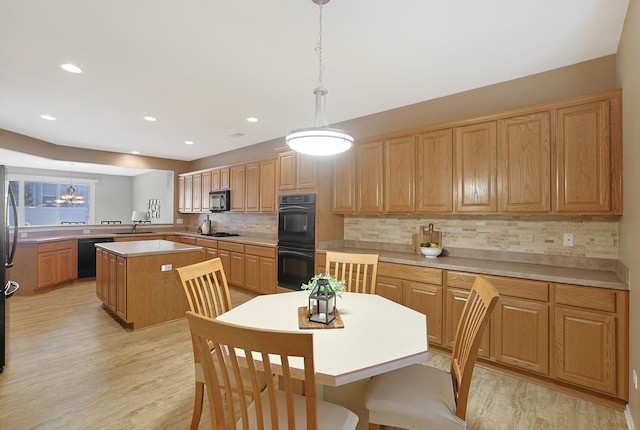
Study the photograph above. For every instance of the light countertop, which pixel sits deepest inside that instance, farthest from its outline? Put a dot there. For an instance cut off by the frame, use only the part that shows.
(146, 247)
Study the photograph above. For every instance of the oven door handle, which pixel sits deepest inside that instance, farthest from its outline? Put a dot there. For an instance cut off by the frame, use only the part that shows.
(295, 254)
(294, 208)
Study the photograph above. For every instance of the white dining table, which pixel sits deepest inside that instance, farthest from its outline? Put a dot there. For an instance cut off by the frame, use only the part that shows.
(379, 335)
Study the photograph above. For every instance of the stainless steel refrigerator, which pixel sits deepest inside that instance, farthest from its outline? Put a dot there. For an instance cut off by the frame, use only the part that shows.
(8, 242)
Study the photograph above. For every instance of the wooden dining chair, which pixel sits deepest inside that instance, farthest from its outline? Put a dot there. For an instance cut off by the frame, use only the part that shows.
(240, 347)
(205, 286)
(419, 397)
(359, 271)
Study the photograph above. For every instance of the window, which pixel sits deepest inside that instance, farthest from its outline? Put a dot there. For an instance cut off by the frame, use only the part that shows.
(53, 201)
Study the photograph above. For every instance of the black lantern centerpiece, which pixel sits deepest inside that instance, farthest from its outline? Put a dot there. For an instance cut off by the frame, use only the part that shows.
(322, 302)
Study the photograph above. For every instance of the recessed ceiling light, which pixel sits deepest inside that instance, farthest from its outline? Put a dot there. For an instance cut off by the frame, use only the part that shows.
(48, 117)
(71, 68)
(135, 152)
(188, 142)
(252, 119)
(150, 118)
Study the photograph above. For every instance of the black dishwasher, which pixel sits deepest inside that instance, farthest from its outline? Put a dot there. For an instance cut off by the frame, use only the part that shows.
(87, 255)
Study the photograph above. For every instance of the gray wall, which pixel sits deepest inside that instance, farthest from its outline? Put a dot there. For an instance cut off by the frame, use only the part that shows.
(156, 185)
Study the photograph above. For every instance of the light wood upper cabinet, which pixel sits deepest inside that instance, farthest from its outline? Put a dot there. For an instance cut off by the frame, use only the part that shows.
(181, 194)
(370, 177)
(476, 168)
(399, 175)
(188, 193)
(206, 188)
(252, 187)
(220, 179)
(286, 171)
(583, 159)
(296, 172)
(524, 173)
(306, 172)
(344, 182)
(196, 192)
(237, 187)
(268, 185)
(434, 178)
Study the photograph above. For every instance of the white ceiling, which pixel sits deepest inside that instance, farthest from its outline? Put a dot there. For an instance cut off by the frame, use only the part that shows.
(203, 66)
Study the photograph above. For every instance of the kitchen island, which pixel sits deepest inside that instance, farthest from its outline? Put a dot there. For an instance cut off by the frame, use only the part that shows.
(137, 282)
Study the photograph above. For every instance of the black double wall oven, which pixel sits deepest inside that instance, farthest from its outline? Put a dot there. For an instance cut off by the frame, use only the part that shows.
(296, 239)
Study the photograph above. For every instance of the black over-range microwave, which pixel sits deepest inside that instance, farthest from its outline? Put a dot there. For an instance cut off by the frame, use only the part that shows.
(219, 200)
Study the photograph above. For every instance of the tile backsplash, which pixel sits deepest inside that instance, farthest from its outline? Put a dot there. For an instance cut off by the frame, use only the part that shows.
(259, 224)
(595, 237)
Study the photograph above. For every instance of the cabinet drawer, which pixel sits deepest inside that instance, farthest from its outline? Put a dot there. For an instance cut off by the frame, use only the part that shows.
(407, 272)
(188, 240)
(599, 299)
(209, 243)
(230, 246)
(261, 251)
(512, 287)
(56, 246)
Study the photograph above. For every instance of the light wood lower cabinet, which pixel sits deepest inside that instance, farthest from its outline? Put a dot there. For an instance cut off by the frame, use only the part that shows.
(591, 332)
(57, 262)
(260, 269)
(455, 299)
(427, 299)
(232, 256)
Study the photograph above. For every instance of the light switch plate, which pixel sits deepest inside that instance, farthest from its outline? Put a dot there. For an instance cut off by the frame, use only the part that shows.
(166, 267)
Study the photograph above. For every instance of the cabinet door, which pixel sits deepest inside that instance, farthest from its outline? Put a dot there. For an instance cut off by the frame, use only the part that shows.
(583, 159)
(434, 182)
(524, 178)
(369, 165)
(286, 171)
(427, 299)
(113, 282)
(305, 172)
(252, 187)
(121, 287)
(236, 273)
(237, 188)
(206, 188)
(522, 334)
(196, 192)
(215, 180)
(268, 275)
(46, 267)
(454, 304)
(268, 186)
(64, 265)
(225, 257)
(252, 272)
(475, 168)
(344, 182)
(181, 196)
(225, 178)
(389, 288)
(585, 343)
(399, 175)
(99, 279)
(188, 193)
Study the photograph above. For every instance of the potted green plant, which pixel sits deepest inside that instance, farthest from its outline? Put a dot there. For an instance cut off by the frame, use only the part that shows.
(337, 286)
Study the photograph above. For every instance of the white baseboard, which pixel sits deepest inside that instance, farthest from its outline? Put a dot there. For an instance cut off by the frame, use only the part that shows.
(627, 415)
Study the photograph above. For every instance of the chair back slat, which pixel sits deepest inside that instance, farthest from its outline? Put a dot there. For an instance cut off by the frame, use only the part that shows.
(475, 316)
(359, 271)
(253, 350)
(206, 288)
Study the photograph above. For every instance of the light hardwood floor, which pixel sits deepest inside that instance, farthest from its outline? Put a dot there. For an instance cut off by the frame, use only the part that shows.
(73, 366)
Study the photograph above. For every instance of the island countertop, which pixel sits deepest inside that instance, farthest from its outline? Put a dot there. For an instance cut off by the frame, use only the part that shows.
(146, 247)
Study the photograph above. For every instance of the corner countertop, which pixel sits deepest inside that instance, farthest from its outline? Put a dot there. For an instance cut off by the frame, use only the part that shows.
(517, 269)
(146, 247)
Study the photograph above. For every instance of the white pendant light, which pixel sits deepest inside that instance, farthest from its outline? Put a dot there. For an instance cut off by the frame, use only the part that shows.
(320, 139)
